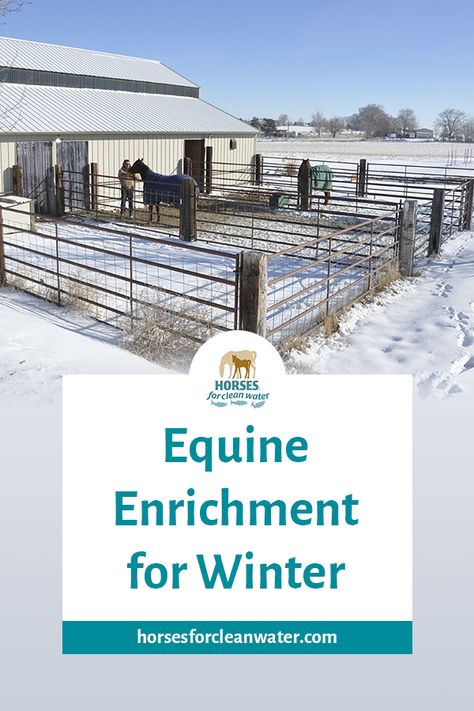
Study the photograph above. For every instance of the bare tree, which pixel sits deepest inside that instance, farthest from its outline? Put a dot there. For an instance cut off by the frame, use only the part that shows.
(468, 130)
(283, 120)
(9, 116)
(318, 121)
(335, 125)
(449, 124)
(406, 121)
(373, 120)
(7, 6)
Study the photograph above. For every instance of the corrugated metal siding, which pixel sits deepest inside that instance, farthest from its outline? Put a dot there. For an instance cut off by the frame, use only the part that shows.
(7, 159)
(161, 154)
(24, 54)
(46, 109)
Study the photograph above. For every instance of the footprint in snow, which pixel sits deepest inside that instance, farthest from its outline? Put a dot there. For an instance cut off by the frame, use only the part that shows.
(444, 289)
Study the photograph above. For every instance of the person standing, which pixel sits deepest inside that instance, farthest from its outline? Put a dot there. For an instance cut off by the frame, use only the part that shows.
(127, 184)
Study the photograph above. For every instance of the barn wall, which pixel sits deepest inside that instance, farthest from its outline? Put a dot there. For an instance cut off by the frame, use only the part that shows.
(7, 159)
(163, 154)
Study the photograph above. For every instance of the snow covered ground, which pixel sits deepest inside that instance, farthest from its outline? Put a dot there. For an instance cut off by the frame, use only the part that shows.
(39, 342)
(423, 326)
(459, 155)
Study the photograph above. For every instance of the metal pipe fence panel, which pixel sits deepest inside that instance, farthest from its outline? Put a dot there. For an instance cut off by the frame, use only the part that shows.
(124, 277)
(309, 282)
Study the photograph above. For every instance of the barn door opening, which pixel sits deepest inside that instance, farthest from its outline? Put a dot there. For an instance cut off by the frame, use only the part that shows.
(36, 161)
(73, 156)
(194, 150)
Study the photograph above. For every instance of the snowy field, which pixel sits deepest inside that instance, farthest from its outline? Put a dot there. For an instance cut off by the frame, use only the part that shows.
(459, 155)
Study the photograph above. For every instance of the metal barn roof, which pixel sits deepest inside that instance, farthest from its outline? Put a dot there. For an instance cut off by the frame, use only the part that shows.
(24, 54)
(46, 109)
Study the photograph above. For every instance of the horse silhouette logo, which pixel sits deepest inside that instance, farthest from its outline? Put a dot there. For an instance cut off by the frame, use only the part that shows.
(241, 364)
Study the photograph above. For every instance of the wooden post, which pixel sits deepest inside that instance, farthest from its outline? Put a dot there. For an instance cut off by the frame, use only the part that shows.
(258, 177)
(3, 278)
(17, 175)
(59, 181)
(208, 170)
(407, 237)
(253, 292)
(362, 178)
(304, 185)
(84, 201)
(187, 166)
(436, 226)
(187, 222)
(50, 192)
(467, 222)
(94, 187)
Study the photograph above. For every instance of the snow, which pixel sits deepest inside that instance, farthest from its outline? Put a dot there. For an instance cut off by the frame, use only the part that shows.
(429, 152)
(423, 326)
(40, 341)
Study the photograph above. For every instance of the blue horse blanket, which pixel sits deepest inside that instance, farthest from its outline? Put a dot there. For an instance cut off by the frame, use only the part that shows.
(163, 188)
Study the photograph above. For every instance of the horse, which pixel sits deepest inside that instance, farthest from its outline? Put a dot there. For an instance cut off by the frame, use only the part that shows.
(242, 355)
(322, 180)
(160, 188)
(239, 364)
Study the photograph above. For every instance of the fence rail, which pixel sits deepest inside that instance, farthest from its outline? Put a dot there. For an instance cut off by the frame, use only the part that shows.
(125, 277)
(329, 273)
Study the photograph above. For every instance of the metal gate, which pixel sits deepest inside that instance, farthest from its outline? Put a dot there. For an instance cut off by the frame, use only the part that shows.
(36, 161)
(73, 156)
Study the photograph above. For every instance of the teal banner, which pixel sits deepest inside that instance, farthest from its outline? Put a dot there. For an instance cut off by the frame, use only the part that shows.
(237, 637)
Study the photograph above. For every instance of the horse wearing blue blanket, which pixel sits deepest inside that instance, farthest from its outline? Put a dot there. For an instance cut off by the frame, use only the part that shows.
(159, 188)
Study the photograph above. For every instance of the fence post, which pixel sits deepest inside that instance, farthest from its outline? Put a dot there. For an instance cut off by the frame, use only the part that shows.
(17, 175)
(187, 166)
(253, 292)
(86, 189)
(94, 187)
(362, 178)
(467, 222)
(59, 182)
(208, 169)
(187, 222)
(436, 225)
(407, 237)
(304, 185)
(258, 178)
(3, 278)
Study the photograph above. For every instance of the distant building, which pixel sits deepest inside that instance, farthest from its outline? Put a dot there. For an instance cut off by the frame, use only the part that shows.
(424, 133)
(295, 131)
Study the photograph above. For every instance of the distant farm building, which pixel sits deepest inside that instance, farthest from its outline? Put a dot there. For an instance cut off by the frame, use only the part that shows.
(424, 133)
(74, 107)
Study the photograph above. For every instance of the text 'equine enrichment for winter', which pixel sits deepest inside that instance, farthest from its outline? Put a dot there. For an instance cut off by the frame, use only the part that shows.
(240, 569)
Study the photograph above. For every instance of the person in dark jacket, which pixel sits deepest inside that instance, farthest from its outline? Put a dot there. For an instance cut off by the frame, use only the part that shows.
(127, 186)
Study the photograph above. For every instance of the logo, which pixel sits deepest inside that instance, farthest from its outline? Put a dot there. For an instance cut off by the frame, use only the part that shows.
(237, 383)
(238, 361)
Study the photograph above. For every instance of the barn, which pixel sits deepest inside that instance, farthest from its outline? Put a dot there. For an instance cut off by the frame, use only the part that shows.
(77, 107)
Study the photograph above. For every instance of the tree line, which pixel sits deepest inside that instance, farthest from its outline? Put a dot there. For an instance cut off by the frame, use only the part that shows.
(374, 122)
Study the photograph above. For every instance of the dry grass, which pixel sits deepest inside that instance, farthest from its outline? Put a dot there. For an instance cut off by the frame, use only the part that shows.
(169, 332)
(294, 343)
(384, 278)
(80, 295)
(330, 325)
(291, 169)
(44, 291)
